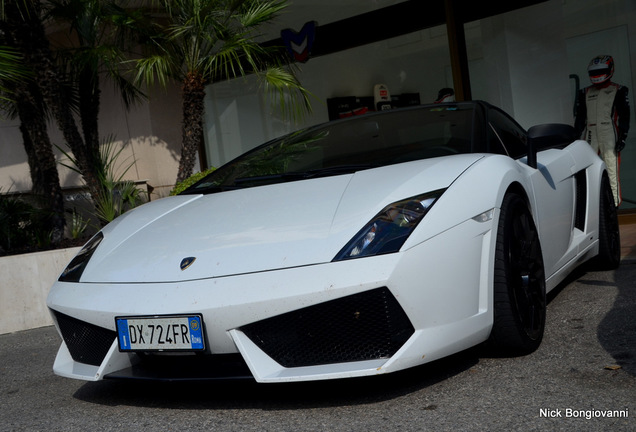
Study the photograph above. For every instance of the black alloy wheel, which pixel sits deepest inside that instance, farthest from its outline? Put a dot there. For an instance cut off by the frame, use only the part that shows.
(519, 281)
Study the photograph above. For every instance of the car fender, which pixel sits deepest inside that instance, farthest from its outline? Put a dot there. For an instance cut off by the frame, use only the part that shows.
(477, 191)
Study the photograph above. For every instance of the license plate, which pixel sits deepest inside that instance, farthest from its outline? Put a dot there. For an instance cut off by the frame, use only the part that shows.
(160, 333)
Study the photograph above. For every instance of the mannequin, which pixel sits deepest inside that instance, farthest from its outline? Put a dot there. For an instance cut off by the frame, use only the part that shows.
(602, 117)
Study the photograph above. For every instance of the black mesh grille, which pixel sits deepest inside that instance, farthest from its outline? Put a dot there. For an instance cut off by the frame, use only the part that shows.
(581, 200)
(86, 342)
(366, 326)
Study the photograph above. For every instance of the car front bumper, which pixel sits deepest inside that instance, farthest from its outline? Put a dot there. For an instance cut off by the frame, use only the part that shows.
(412, 307)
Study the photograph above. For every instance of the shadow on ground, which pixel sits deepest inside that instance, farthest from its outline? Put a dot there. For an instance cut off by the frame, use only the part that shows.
(249, 394)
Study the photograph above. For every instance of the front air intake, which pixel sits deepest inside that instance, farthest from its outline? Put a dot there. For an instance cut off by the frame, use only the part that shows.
(86, 342)
(365, 326)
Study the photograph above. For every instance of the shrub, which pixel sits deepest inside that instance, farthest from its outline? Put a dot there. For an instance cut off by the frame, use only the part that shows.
(180, 187)
(22, 226)
(117, 195)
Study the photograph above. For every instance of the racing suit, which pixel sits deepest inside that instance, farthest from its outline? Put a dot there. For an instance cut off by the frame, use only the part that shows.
(602, 119)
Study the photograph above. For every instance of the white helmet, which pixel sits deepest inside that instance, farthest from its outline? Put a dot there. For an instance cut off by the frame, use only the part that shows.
(601, 69)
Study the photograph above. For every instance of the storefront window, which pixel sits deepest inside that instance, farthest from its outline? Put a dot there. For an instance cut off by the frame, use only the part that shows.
(531, 62)
(238, 117)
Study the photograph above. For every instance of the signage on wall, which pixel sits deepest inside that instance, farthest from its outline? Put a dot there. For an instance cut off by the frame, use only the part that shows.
(299, 44)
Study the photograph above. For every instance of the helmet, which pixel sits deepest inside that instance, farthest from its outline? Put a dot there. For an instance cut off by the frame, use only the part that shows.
(601, 69)
(445, 95)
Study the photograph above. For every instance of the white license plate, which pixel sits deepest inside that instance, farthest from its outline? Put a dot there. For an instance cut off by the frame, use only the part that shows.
(160, 333)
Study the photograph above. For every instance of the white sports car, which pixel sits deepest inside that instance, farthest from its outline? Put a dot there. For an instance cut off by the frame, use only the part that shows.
(359, 247)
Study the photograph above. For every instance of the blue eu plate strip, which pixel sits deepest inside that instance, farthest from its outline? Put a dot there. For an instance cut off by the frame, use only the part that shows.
(124, 337)
(196, 332)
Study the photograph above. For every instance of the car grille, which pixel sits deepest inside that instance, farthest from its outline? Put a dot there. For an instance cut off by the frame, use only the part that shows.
(86, 342)
(366, 326)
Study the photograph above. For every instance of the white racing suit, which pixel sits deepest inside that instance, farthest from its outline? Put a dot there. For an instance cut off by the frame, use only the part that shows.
(602, 119)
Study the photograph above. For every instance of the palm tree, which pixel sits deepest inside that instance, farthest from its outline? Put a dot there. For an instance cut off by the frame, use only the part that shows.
(205, 41)
(26, 101)
(65, 84)
(69, 76)
(99, 34)
(23, 23)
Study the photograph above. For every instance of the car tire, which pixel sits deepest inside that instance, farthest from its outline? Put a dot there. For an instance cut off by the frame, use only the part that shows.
(519, 281)
(609, 238)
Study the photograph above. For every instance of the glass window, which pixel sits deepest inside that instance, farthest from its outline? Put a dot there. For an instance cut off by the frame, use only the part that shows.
(351, 145)
(506, 136)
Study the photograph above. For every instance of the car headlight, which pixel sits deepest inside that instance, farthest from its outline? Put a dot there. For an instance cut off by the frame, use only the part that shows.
(74, 270)
(389, 229)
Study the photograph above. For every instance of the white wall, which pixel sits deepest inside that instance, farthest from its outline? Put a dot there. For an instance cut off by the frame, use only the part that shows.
(526, 69)
(25, 281)
(149, 133)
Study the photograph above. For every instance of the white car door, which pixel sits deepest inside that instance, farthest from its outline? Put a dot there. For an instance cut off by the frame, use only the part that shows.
(554, 191)
(553, 186)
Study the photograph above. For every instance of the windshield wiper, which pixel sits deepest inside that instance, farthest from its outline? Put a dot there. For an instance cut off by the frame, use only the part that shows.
(337, 169)
(267, 179)
(243, 182)
(300, 175)
(209, 189)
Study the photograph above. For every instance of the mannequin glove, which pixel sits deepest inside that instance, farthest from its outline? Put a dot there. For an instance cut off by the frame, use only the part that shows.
(620, 145)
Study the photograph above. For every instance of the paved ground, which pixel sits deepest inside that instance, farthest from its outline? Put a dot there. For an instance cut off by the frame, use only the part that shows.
(628, 240)
(586, 367)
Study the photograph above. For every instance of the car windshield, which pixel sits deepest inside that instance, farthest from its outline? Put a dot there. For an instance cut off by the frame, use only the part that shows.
(348, 146)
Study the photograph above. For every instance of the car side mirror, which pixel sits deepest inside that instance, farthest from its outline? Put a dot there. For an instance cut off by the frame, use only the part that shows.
(547, 136)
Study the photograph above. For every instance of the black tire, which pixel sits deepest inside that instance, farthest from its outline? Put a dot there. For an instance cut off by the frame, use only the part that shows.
(609, 237)
(519, 281)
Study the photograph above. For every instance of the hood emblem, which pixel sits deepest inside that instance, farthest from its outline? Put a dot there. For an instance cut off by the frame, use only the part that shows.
(187, 262)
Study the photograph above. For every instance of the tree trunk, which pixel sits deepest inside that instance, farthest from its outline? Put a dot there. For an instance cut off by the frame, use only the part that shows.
(33, 127)
(192, 127)
(28, 31)
(89, 97)
(42, 163)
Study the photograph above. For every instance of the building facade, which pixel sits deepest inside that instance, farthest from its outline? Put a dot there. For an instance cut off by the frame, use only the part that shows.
(529, 59)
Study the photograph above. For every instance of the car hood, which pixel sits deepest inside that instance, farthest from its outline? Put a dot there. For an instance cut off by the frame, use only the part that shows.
(257, 229)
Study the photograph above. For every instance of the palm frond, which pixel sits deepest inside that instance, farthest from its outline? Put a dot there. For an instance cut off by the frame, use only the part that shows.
(153, 67)
(11, 71)
(281, 85)
(260, 12)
